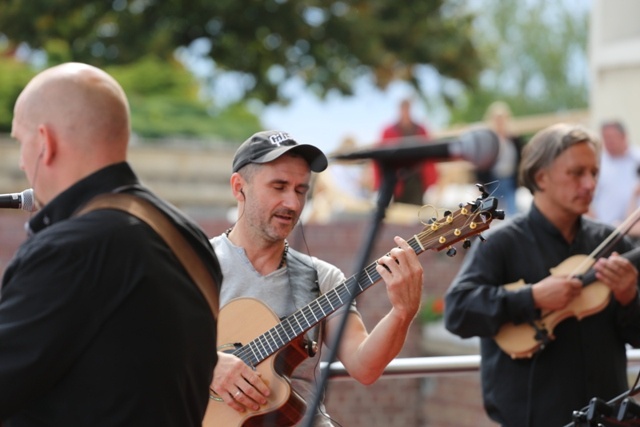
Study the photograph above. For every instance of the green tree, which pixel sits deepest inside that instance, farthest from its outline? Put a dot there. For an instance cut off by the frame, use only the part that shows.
(14, 75)
(536, 58)
(328, 44)
(165, 100)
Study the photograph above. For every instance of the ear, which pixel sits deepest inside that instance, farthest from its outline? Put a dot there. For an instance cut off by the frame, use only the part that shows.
(237, 186)
(541, 178)
(49, 144)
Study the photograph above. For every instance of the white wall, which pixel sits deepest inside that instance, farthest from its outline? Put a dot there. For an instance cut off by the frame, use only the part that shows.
(614, 50)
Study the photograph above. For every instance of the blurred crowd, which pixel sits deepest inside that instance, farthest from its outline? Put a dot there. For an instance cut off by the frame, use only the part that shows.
(349, 188)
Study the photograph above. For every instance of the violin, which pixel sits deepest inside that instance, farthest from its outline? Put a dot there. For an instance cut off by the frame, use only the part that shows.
(524, 340)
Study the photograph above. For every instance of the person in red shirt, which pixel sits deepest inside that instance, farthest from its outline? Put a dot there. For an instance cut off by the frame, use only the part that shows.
(412, 181)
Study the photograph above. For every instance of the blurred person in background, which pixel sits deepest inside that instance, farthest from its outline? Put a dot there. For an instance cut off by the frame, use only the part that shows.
(618, 175)
(502, 177)
(412, 182)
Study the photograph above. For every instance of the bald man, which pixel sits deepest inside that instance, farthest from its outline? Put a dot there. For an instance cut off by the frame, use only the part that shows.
(100, 325)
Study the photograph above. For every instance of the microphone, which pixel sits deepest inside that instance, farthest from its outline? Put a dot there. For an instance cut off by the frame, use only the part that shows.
(24, 201)
(479, 146)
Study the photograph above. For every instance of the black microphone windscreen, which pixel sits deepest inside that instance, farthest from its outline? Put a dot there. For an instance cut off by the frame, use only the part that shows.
(480, 147)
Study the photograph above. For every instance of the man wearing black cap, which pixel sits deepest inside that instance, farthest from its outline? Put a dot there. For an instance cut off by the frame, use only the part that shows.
(270, 181)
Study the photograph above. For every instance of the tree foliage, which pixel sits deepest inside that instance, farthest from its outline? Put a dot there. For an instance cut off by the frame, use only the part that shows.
(14, 75)
(536, 58)
(164, 100)
(328, 43)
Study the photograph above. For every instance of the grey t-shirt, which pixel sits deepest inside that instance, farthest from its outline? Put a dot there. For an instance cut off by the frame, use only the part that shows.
(274, 289)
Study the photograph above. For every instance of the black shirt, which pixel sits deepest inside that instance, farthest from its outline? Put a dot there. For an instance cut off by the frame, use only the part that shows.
(586, 359)
(100, 325)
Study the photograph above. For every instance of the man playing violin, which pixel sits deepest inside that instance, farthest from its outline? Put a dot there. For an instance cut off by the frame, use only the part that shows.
(576, 360)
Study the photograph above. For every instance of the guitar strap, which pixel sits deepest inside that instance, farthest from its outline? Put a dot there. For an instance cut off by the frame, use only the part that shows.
(148, 213)
(303, 279)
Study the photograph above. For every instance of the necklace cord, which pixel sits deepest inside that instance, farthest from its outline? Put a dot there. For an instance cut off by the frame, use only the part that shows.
(283, 260)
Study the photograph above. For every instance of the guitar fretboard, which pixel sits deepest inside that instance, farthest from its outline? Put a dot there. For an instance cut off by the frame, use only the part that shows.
(310, 315)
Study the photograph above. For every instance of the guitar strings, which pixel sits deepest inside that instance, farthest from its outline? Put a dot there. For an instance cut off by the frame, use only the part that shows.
(470, 219)
(259, 349)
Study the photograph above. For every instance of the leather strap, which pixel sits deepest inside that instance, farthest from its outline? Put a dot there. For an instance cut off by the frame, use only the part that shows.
(146, 212)
(303, 279)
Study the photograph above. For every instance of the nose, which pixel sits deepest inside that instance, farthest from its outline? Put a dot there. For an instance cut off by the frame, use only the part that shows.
(590, 181)
(293, 201)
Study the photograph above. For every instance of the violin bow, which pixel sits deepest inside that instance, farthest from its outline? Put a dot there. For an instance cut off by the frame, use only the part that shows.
(607, 245)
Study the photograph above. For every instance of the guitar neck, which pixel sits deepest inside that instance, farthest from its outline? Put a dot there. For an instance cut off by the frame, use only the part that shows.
(313, 313)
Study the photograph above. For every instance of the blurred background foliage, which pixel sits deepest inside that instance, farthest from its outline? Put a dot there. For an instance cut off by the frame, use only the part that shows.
(526, 53)
(535, 55)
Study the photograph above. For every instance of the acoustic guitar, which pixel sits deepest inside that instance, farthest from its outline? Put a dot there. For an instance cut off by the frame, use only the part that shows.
(251, 331)
(524, 340)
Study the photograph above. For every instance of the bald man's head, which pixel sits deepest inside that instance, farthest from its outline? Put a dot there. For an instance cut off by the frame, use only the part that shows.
(76, 117)
(85, 104)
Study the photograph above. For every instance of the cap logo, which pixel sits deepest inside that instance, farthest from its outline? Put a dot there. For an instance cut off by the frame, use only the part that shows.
(279, 138)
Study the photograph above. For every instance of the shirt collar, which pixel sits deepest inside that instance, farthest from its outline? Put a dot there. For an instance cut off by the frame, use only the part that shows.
(66, 203)
(541, 221)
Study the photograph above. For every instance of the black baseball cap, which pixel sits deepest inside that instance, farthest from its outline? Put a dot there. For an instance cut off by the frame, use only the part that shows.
(266, 146)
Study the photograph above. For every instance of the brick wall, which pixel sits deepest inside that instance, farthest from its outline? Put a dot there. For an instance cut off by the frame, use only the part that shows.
(437, 401)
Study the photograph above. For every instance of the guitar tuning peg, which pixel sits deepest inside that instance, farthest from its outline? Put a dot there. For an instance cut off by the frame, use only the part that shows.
(447, 213)
(466, 244)
(482, 239)
(432, 220)
(483, 191)
(451, 252)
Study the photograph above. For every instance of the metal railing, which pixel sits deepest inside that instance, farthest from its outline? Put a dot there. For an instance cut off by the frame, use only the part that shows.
(438, 365)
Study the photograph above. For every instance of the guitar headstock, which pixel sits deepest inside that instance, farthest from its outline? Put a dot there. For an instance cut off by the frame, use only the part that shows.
(470, 219)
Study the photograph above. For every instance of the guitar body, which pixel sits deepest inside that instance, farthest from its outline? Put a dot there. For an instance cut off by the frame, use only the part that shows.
(240, 321)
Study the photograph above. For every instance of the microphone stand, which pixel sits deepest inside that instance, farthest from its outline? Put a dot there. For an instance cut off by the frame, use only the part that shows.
(385, 193)
(619, 411)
